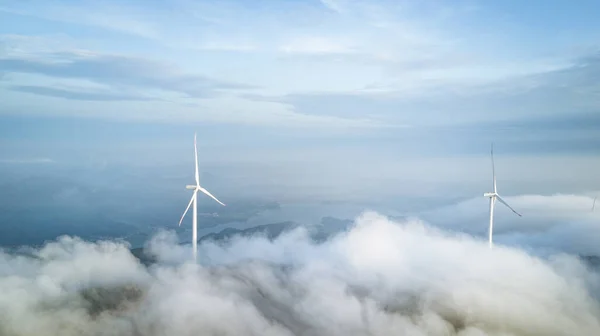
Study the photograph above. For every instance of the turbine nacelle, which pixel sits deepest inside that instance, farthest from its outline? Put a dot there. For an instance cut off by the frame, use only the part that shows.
(192, 187)
(489, 194)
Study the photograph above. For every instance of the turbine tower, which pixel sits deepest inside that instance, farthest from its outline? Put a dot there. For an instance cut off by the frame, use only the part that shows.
(493, 197)
(194, 200)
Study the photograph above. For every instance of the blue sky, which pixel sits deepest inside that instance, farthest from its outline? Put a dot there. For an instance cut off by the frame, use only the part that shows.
(305, 87)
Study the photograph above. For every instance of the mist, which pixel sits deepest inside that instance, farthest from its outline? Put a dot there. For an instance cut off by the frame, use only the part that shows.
(380, 277)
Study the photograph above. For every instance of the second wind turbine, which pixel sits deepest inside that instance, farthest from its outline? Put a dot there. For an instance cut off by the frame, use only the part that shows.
(194, 200)
(493, 197)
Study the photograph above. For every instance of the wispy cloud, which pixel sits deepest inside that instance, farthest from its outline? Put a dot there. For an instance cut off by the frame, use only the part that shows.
(382, 61)
(119, 18)
(27, 161)
(546, 92)
(226, 110)
(119, 70)
(240, 46)
(317, 45)
(75, 95)
(334, 5)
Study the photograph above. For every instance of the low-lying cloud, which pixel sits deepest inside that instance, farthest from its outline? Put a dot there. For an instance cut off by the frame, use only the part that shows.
(378, 278)
(550, 223)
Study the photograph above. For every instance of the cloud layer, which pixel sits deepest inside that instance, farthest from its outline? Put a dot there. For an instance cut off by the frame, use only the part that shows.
(326, 62)
(380, 278)
(117, 71)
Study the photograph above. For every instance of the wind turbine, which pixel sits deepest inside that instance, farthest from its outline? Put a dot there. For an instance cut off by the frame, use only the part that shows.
(194, 200)
(493, 197)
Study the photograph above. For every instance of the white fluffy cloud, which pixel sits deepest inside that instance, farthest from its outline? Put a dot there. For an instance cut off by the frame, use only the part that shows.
(379, 278)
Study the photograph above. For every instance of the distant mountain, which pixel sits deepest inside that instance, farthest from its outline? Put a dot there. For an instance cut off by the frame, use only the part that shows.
(592, 261)
(271, 231)
(145, 258)
(329, 227)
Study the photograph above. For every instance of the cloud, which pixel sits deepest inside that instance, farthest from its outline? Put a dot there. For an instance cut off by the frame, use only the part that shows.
(397, 37)
(585, 121)
(564, 93)
(27, 161)
(118, 70)
(16, 45)
(365, 30)
(124, 18)
(334, 5)
(118, 80)
(557, 222)
(235, 46)
(383, 43)
(317, 45)
(379, 278)
(395, 63)
(74, 95)
(227, 111)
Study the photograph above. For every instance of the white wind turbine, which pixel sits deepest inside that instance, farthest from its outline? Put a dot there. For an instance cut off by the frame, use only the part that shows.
(493, 197)
(194, 200)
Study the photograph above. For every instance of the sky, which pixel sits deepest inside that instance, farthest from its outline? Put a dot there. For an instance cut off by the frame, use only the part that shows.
(325, 98)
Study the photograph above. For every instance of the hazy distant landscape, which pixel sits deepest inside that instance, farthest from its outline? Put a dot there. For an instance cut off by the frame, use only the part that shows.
(105, 205)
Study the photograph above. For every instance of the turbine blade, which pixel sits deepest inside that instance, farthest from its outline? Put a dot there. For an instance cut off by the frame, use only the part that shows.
(493, 168)
(188, 207)
(196, 161)
(503, 202)
(594, 204)
(210, 195)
